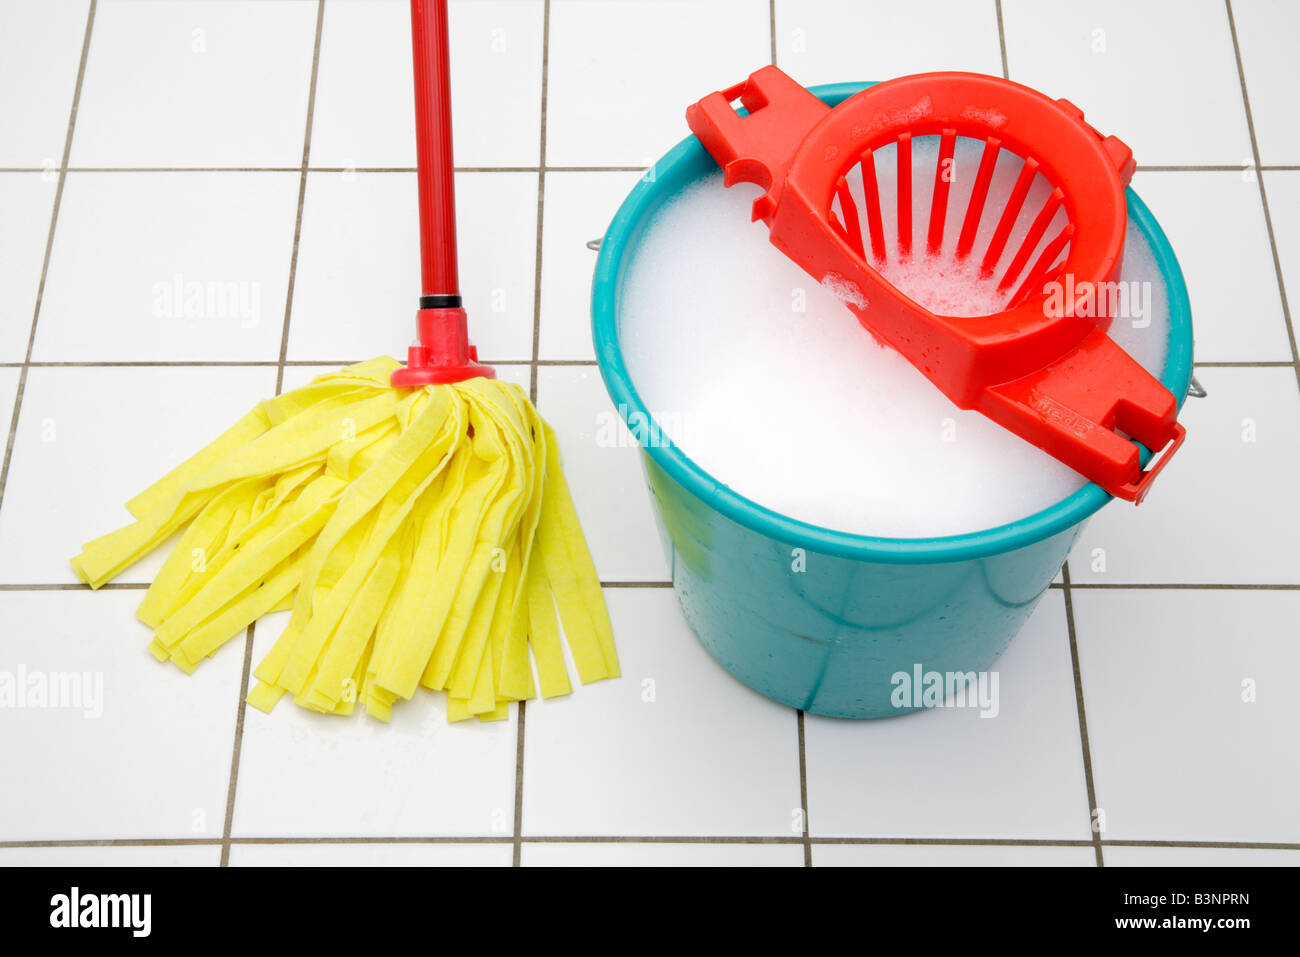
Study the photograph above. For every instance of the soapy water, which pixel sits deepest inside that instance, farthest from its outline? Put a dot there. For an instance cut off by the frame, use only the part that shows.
(938, 279)
(947, 286)
(795, 406)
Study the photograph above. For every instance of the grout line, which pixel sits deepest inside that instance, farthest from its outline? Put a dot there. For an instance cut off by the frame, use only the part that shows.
(64, 168)
(116, 842)
(517, 840)
(1083, 717)
(181, 169)
(593, 169)
(1240, 845)
(1263, 193)
(1180, 586)
(954, 841)
(541, 203)
(1075, 586)
(258, 363)
(49, 246)
(771, 20)
(302, 195)
(240, 713)
(658, 839)
(540, 363)
(1208, 168)
(1261, 364)
(522, 711)
(1002, 40)
(75, 586)
(150, 363)
(1141, 168)
(252, 363)
(803, 791)
(663, 839)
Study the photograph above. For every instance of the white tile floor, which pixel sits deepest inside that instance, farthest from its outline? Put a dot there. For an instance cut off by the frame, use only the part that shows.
(350, 293)
(1152, 684)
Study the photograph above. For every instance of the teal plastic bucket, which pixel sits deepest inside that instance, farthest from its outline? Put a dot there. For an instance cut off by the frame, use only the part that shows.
(824, 620)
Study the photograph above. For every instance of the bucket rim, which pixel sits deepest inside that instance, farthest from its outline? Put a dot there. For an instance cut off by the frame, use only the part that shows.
(1075, 508)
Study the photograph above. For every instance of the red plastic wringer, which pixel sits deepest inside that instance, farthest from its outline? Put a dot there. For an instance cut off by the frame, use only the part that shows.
(1056, 380)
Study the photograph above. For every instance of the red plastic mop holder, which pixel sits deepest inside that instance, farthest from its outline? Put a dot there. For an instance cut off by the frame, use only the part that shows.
(443, 353)
(1056, 380)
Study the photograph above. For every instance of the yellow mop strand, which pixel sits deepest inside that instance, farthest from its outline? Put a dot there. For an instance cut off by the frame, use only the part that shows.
(420, 536)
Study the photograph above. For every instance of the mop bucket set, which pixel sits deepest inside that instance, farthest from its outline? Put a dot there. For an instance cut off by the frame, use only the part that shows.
(827, 634)
(415, 519)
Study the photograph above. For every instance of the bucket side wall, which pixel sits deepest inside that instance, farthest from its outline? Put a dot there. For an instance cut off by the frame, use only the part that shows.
(827, 634)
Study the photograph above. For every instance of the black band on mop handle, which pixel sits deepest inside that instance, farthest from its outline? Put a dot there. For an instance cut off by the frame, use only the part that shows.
(440, 302)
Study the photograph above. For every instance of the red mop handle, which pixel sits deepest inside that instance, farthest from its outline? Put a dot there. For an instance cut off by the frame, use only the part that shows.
(443, 353)
(434, 166)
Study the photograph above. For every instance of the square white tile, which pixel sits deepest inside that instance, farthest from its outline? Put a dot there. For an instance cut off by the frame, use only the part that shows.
(951, 855)
(1159, 74)
(40, 52)
(675, 747)
(520, 374)
(135, 749)
(358, 282)
(1266, 32)
(836, 41)
(1223, 510)
(1215, 222)
(1191, 714)
(1127, 856)
(303, 774)
(370, 855)
(168, 266)
(134, 855)
(90, 438)
(364, 114)
(578, 209)
(642, 854)
(296, 376)
(620, 75)
(27, 200)
(196, 84)
(603, 466)
(953, 773)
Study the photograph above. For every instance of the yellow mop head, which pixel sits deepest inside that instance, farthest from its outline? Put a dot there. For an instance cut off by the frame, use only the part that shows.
(421, 537)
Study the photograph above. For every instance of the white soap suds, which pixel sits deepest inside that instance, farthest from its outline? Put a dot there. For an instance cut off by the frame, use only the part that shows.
(845, 290)
(775, 389)
(947, 286)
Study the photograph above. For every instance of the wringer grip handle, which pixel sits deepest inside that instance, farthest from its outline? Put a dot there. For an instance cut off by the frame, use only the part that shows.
(1074, 407)
(756, 148)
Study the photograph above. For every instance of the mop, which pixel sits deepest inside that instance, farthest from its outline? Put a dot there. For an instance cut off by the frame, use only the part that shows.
(414, 519)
